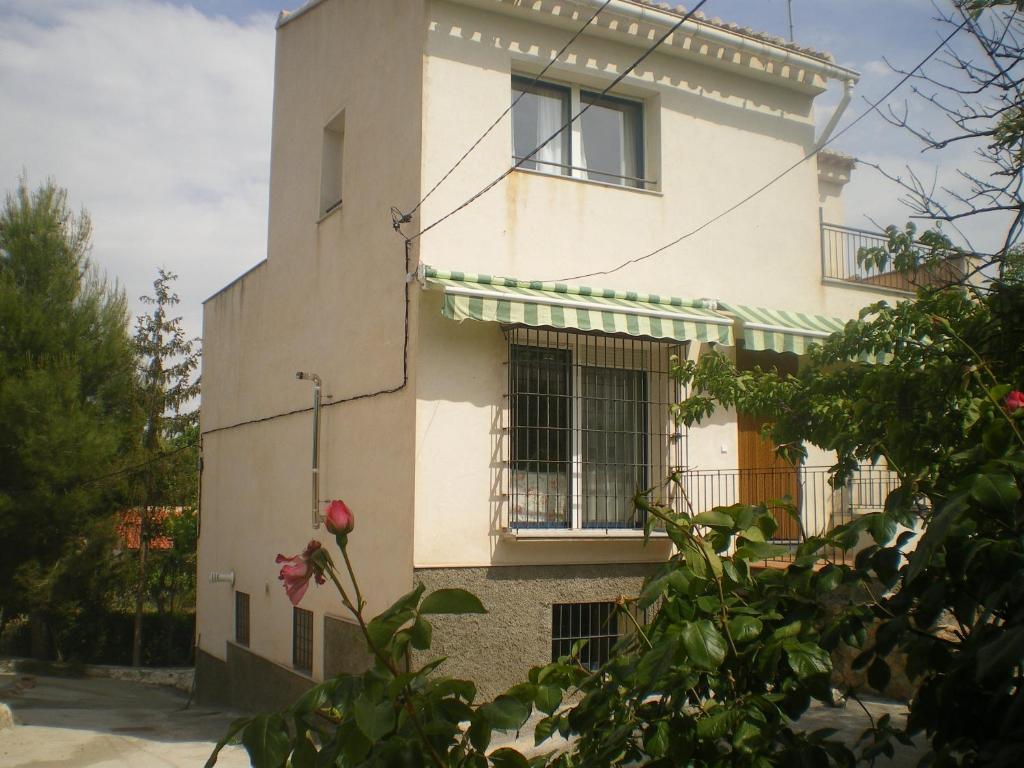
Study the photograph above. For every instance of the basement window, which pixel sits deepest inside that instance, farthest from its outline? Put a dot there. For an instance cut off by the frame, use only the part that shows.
(594, 622)
(331, 164)
(302, 640)
(242, 618)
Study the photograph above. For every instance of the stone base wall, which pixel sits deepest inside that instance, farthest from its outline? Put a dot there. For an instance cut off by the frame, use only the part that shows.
(497, 649)
(246, 681)
(344, 648)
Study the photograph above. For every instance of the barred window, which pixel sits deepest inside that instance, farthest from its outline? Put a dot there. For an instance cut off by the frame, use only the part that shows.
(242, 618)
(602, 625)
(590, 424)
(302, 639)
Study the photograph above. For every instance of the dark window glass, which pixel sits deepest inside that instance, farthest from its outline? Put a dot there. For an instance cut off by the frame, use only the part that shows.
(611, 131)
(541, 111)
(541, 439)
(241, 618)
(302, 639)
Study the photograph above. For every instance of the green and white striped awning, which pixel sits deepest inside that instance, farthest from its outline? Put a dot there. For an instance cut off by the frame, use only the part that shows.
(556, 305)
(781, 331)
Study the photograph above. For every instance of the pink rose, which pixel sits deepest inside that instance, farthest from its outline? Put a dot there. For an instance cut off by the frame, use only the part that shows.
(1014, 401)
(339, 519)
(299, 569)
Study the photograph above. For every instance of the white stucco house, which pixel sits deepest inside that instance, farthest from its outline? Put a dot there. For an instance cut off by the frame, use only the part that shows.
(493, 394)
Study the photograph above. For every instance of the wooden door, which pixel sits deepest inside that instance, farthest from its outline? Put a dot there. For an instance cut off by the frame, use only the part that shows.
(763, 476)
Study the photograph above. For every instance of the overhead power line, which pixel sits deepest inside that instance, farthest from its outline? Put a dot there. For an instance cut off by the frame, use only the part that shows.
(403, 218)
(564, 126)
(871, 108)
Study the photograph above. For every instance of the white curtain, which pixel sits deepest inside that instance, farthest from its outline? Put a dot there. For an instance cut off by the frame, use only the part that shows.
(549, 118)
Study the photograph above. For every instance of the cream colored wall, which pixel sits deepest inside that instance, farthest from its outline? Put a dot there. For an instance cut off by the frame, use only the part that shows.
(330, 300)
(716, 137)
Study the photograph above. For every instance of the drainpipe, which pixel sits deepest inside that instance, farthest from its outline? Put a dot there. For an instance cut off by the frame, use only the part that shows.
(834, 120)
(739, 42)
(316, 443)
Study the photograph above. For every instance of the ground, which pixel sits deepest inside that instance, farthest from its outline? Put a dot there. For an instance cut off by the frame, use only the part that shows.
(68, 722)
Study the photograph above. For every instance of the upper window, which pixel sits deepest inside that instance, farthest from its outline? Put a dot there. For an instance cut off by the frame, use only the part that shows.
(590, 426)
(331, 164)
(605, 144)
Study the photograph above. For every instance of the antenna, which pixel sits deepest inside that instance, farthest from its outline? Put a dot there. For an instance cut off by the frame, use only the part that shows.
(789, 7)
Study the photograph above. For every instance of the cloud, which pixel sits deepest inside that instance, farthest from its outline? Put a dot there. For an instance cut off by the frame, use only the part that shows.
(156, 118)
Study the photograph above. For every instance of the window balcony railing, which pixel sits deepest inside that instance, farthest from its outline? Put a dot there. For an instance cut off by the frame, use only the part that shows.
(819, 506)
(840, 247)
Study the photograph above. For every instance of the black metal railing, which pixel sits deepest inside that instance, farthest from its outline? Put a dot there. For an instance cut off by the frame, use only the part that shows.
(840, 247)
(819, 506)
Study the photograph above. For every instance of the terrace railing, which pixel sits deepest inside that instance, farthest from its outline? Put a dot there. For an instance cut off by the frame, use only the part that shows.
(819, 505)
(840, 246)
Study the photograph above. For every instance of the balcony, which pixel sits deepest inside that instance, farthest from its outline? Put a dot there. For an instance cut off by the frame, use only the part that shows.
(820, 506)
(840, 246)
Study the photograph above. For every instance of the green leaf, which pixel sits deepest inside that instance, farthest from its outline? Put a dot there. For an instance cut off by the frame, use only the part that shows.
(506, 757)
(714, 518)
(455, 601)
(383, 628)
(304, 754)
(717, 724)
(233, 730)
(787, 630)
(745, 628)
(704, 644)
(714, 561)
(934, 536)
(547, 698)
(807, 659)
(480, 731)
(545, 728)
(375, 719)
(657, 739)
(266, 740)
(995, 490)
(420, 634)
(879, 674)
(759, 550)
(505, 713)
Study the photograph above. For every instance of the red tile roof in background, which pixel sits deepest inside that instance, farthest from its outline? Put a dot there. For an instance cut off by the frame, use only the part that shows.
(130, 524)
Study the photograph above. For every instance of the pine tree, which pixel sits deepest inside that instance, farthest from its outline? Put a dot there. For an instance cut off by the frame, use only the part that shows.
(66, 391)
(167, 361)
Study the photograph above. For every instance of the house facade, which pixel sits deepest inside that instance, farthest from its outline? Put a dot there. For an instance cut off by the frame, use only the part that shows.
(493, 393)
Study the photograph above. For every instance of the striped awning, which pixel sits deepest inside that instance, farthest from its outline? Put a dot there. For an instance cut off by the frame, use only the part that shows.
(556, 305)
(781, 331)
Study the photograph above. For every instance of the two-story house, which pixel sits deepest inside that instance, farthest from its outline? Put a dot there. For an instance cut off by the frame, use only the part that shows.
(491, 396)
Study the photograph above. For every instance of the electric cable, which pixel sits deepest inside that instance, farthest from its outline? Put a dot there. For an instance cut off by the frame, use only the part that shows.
(565, 125)
(403, 218)
(871, 108)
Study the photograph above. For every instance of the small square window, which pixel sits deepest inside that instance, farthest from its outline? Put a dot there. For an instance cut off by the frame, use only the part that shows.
(242, 618)
(331, 164)
(302, 639)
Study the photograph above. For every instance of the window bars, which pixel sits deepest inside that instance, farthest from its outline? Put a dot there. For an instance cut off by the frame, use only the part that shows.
(600, 624)
(302, 639)
(589, 422)
(242, 618)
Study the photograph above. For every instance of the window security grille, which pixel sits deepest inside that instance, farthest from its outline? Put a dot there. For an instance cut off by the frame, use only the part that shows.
(302, 639)
(600, 624)
(589, 422)
(242, 618)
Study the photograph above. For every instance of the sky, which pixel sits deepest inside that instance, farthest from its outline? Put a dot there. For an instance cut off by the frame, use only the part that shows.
(155, 116)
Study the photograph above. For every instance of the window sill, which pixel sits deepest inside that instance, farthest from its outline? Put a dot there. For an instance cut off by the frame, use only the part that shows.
(592, 182)
(327, 214)
(579, 534)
